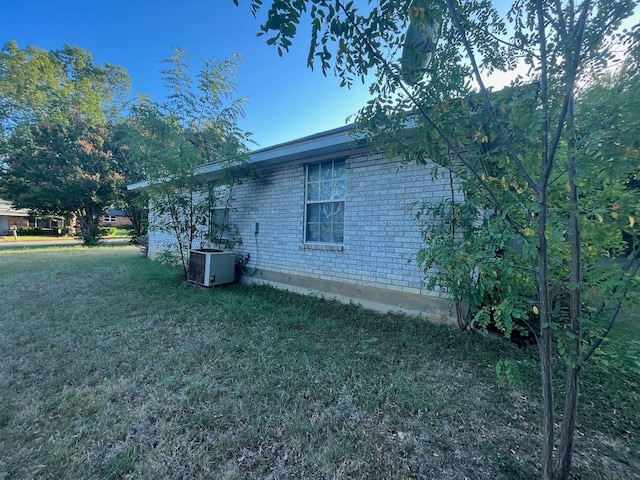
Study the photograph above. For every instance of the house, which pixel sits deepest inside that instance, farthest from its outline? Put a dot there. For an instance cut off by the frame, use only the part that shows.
(327, 215)
(113, 217)
(10, 216)
(25, 218)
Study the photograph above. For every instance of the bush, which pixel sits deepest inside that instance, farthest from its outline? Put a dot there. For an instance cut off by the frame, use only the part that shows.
(170, 258)
(108, 231)
(31, 231)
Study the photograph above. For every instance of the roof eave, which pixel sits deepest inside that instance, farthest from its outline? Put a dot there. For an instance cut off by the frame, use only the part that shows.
(339, 141)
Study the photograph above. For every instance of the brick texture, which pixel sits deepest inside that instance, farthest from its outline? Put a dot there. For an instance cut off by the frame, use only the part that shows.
(380, 236)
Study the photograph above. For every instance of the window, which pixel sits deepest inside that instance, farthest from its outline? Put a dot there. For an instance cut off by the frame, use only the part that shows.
(109, 218)
(219, 223)
(325, 196)
(46, 223)
(223, 233)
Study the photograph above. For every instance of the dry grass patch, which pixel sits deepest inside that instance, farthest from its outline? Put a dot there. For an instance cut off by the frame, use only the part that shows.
(114, 368)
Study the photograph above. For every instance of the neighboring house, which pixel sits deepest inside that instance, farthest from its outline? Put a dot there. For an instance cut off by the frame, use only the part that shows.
(113, 217)
(12, 217)
(332, 218)
(23, 218)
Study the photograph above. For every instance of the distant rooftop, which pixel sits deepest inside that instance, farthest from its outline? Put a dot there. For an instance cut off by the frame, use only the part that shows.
(7, 209)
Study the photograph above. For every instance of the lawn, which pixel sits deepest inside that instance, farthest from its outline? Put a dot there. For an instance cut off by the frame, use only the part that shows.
(120, 233)
(113, 367)
(33, 238)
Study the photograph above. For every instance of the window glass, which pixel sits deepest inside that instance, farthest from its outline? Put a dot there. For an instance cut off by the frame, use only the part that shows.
(217, 220)
(325, 199)
(314, 173)
(313, 191)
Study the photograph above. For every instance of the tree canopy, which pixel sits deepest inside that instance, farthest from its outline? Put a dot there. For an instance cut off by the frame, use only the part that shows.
(41, 85)
(54, 110)
(62, 169)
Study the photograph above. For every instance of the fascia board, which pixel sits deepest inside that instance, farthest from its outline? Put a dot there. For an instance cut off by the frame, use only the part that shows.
(338, 141)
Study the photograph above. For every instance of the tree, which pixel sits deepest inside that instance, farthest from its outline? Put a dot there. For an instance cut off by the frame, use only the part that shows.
(171, 141)
(134, 202)
(54, 110)
(39, 85)
(540, 208)
(55, 169)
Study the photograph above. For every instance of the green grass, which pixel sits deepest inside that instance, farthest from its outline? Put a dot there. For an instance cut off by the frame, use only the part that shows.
(34, 238)
(120, 233)
(113, 367)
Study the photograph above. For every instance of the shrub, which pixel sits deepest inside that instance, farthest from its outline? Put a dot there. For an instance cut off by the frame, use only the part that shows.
(31, 231)
(108, 231)
(170, 258)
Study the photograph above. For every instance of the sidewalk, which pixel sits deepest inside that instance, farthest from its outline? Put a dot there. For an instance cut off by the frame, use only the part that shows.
(4, 244)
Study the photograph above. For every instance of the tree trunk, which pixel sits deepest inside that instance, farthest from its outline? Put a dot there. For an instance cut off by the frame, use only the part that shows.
(89, 229)
(567, 430)
(545, 342)
(565, 452)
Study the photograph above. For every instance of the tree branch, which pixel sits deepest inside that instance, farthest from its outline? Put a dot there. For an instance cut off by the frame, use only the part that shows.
(484, 92)
(563, 25)
(452, 147)
(576, 35)
(614, 314)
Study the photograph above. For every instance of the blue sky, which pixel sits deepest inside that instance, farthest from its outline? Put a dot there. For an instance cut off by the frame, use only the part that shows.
(286, 99)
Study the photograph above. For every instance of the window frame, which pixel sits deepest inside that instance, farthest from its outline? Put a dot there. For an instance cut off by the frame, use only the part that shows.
(219, 213)
(341, 200)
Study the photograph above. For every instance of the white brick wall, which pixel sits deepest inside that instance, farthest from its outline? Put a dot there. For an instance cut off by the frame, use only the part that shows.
(380, 234)
(160, 241)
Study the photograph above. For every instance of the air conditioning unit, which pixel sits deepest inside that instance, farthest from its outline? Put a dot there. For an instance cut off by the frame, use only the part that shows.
(209, 267)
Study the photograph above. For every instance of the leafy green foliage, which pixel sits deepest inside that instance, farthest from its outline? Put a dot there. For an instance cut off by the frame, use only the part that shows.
(54, 108)
(169, 143)
(508, 372)
(108, 231)
(39, 85)
(56, 169)
(34, 231)
(133, 202)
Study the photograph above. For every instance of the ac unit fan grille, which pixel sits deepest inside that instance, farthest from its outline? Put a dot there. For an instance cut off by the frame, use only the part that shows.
(197, 266)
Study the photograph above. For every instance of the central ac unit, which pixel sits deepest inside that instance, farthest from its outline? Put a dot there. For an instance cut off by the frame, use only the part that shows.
(209, 267)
